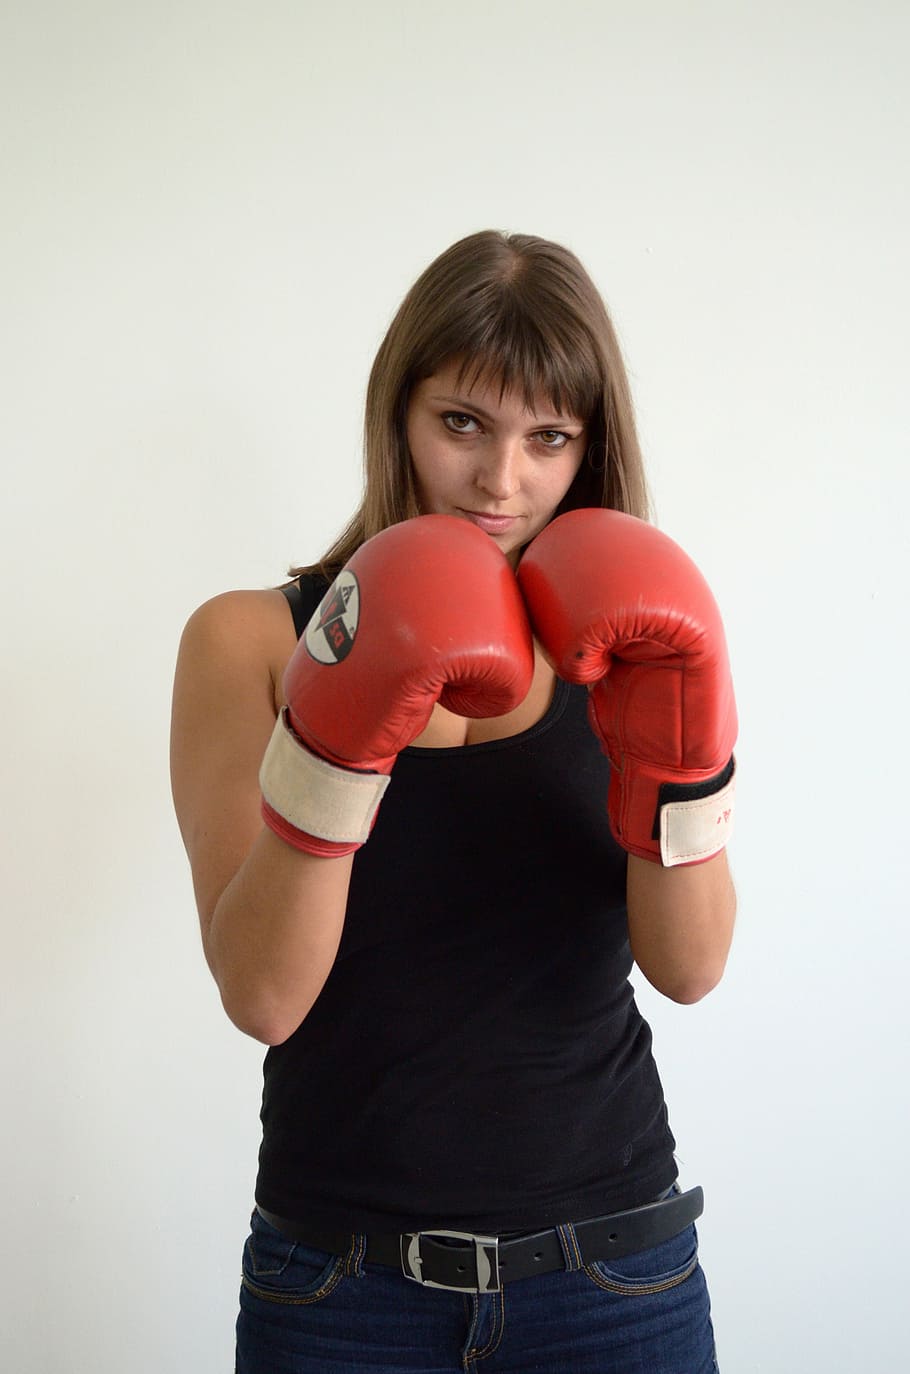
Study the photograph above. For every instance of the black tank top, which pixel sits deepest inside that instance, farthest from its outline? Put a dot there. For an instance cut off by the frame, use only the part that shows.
(475, 1059)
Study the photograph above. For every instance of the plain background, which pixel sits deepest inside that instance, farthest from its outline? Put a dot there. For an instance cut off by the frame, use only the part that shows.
(210, 213)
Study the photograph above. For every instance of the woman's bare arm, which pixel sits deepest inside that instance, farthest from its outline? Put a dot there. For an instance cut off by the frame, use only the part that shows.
(681, 924)
(271, 916)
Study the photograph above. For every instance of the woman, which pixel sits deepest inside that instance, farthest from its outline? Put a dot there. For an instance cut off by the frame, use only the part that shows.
(392, 797)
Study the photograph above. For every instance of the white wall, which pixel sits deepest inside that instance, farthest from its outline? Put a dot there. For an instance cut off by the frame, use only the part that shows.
(210, 212)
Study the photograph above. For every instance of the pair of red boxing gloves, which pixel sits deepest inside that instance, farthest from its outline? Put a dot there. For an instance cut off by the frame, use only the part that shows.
(430, 610)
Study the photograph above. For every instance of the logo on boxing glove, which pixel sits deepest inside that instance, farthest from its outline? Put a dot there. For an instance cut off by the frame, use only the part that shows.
(330, 635)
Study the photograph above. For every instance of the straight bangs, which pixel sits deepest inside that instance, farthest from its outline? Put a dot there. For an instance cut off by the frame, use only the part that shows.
(517, 351)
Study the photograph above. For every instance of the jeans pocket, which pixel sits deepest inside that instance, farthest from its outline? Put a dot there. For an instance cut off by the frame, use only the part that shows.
(650, 1271)
(278, 1269)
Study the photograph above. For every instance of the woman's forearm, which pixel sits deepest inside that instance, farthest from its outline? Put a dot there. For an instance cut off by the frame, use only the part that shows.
(274, 935)
(681, 924)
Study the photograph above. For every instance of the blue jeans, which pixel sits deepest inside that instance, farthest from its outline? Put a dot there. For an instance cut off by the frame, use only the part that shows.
(305, 1311)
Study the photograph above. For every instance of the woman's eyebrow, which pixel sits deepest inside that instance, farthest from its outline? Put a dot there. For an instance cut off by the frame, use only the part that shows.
(461, 403)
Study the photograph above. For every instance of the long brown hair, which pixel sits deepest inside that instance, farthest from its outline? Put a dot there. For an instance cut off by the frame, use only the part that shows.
(514, 309)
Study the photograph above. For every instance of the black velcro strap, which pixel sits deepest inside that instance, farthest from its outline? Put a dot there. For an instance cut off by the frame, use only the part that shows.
(689, 791)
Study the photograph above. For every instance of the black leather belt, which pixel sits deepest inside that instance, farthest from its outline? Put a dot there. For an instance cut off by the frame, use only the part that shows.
(465, 1262)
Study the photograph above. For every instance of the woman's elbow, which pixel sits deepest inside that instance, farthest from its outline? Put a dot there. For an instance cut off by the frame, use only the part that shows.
(686, 986)
(688, 993)
(266, 1022)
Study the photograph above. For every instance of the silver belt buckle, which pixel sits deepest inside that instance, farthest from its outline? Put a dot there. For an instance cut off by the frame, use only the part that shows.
(486, 1260)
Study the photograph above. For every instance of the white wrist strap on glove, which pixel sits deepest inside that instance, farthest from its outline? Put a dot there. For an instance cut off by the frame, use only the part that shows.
(317, 797)
(691, 831)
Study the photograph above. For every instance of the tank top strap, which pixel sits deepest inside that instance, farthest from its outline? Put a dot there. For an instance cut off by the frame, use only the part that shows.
(303, 596)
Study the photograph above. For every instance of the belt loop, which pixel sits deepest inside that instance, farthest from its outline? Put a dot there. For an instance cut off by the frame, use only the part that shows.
(353, 1260)
(569, 1244)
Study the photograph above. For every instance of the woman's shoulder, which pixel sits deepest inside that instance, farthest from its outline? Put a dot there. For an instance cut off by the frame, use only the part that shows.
(245, 634)
(241, 619)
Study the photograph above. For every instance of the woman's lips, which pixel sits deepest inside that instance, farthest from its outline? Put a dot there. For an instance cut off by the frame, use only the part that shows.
(491, 524)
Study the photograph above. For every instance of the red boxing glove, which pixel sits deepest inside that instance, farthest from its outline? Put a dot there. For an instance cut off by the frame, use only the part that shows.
(426, 611)
(618, 606)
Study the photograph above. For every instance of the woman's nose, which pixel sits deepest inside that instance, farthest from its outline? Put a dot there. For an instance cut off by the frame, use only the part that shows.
(500, 476)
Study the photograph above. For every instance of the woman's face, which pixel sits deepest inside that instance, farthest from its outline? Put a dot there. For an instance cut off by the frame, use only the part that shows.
(489, 459)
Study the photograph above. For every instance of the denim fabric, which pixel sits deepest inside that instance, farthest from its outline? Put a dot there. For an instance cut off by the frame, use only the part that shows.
(305, 1311)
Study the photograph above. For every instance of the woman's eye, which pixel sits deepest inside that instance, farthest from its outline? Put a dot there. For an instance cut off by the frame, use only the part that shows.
(553, 438)
(459, 423)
